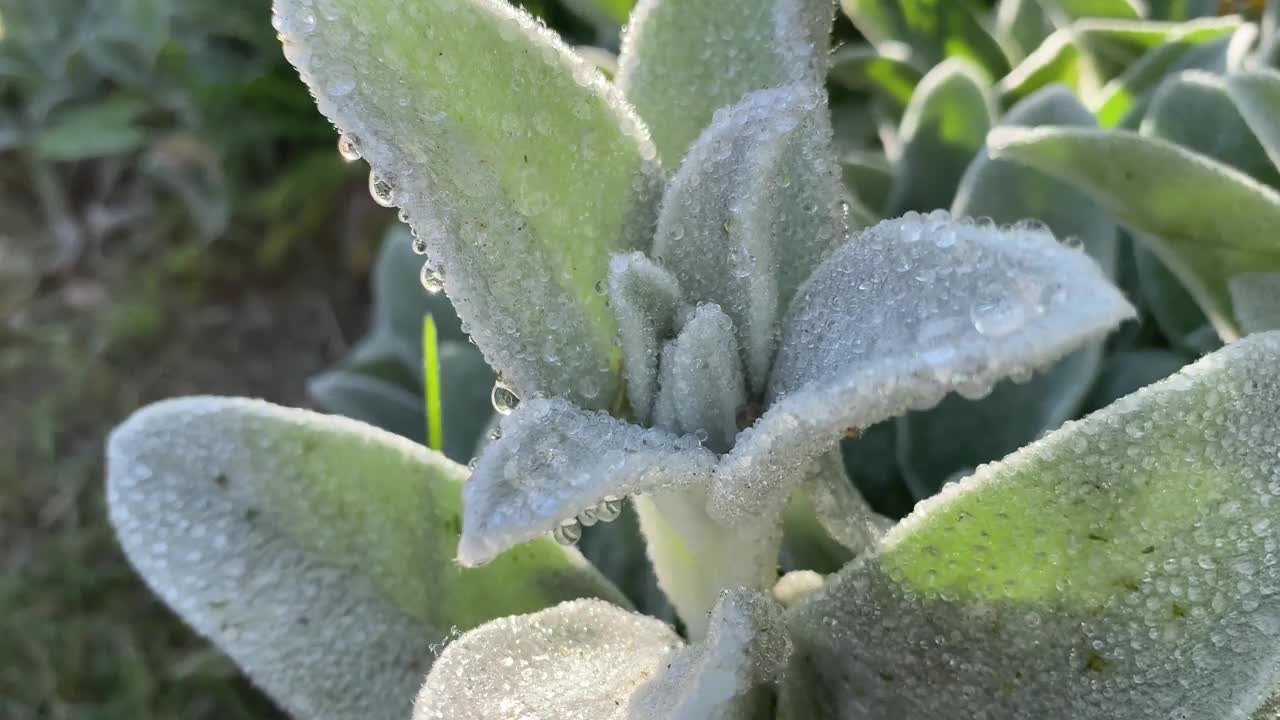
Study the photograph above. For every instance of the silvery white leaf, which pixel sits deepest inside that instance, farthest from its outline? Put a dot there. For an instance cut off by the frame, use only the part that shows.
(723, 676)
(645, 299)
(902, 314)
(577, 661)
(555, 460)
(752, 211)
(707, 371)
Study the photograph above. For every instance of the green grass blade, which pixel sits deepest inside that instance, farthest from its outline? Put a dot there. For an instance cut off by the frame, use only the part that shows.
(431, 383)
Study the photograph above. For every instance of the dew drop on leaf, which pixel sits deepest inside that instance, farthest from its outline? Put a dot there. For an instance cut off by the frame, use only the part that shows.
(349, 147)
(504, 396)
(999, 318)
(568, 532)
(609, 509)
(381, 190)
(431, 276)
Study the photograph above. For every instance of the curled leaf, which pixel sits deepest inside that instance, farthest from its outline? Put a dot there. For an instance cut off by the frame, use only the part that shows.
(555, 460)
(645, 299)
(899, 316)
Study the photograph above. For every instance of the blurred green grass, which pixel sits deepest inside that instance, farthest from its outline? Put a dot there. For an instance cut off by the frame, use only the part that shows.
(174, 219)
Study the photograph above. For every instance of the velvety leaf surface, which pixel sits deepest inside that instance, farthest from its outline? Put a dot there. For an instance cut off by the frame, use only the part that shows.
(1257, 96)
(934, 29)
(751, 212)
(555, 460)
(943, 128)
(645, 299)
(461, 108)
(899, 316)
(961, 434)
(1214, 221)
(580, 659)
(722, 676)
(315, 550)
(1122, 567)
(1256, 297)
(1196, 110)
(682, 60)
(707, 371)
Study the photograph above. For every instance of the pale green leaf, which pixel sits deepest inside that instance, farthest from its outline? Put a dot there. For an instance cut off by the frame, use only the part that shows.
(1120, 568)
(886, 70)
(682, 60)
(943, 128)
(1177, 315)
(1257, 96)
(1022, 25)
(1213, 221)
(751, 212)
(1059, 60)
(868, 177)
(1195, 109)
(1201, 44)
(934, 29)
(1257, 300)
(1064, 11)
(581, 659)
(904, 313)
(318, 552)
(463, 109)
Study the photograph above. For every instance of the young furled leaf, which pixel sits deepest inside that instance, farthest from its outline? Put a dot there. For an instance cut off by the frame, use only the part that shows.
(752, 211)
(459, 107)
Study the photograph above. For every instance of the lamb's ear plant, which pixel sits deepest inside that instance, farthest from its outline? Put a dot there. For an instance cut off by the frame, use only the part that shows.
(690, 321)
(958, 96)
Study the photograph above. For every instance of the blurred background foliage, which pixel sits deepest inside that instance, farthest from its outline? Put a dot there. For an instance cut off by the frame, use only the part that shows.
(174, 219)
